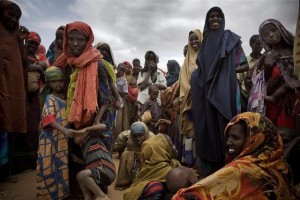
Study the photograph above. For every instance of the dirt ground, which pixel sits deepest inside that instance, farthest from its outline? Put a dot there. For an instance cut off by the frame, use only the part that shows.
(23, 187)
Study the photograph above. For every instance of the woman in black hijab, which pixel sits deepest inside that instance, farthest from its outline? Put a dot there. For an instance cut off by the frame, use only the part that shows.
(215, 90)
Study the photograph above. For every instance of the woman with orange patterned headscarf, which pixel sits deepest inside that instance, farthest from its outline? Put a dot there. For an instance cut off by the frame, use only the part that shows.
(255, 168)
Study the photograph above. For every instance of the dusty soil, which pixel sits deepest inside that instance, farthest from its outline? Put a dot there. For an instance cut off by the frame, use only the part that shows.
(23, 187)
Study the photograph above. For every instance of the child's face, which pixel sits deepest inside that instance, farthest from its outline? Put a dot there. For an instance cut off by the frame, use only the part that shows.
(57, 85)
(271, 34)
(120, 71)
(256, 46)
(286, 136)
(153, 94)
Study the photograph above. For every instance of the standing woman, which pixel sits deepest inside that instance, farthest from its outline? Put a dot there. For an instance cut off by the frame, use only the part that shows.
(215, 90)
(89, 94)
(185, 115)
(13, 101)
(276, 67)
(56, 47)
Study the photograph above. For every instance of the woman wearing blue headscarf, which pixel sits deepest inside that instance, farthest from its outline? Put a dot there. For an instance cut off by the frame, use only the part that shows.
(215, 90)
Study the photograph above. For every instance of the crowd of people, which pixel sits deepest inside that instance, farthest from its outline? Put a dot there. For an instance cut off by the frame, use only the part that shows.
(221, 126)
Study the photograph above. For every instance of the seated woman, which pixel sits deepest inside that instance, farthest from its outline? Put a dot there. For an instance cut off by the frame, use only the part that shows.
(157, 160)
(130, 161)
(255, 168)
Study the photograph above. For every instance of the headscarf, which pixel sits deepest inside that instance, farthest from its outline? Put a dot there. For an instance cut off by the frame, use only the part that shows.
(127, 65)
(257, 170)
(216, 63)
(286, 70)
(111, 55)
(13, 81)
(82, 91)
(110, 65)
(189, 65)
(137, 128)
(173, 75)
(157, 161)
(58, 51)
(287, 36)
(33, 36)
(54, 73)
(42, 49)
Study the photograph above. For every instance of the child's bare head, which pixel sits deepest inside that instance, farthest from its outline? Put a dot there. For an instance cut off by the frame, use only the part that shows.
(180, 177)
(153, 92)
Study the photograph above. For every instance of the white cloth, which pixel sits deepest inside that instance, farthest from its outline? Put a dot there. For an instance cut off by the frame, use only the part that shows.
(143, 95)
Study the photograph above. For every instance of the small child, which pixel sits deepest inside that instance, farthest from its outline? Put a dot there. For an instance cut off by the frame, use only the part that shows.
(152, 105)
(99, 169)
(52, 161)
(178, 178)
(123, 91)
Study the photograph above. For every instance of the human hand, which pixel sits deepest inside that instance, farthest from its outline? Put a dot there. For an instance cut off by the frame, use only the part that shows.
(152, 66)
(271, 58)
(70, 132)
(117, 104)
(162, 121)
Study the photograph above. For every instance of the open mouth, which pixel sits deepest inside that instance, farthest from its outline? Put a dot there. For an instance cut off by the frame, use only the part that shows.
(231, 151)
(215, 23)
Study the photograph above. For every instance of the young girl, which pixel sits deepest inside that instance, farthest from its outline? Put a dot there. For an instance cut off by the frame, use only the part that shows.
(52, 162)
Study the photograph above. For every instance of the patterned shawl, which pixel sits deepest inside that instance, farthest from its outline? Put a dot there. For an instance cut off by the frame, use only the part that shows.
(157, 161)
(257, 172)
(82, 92)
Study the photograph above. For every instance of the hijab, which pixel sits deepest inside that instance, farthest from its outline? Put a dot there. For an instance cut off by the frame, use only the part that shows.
(258, 171)
(83, 88)
(173, 74)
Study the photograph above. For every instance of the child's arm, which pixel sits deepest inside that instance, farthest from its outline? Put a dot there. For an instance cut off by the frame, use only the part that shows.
(68, 132)
(100, 114)
(116, 95)
(282, 90)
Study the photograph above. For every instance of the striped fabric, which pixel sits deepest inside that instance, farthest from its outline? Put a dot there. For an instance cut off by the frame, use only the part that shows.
(154, 190)
(98, 159)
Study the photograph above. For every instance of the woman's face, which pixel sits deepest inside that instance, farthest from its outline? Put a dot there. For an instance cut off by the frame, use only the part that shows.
(104, 50)
(10, 17)
(76, 42)
(59, 38)
(271, 34)
(194, 41)
(236, 139)
(214, 19)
